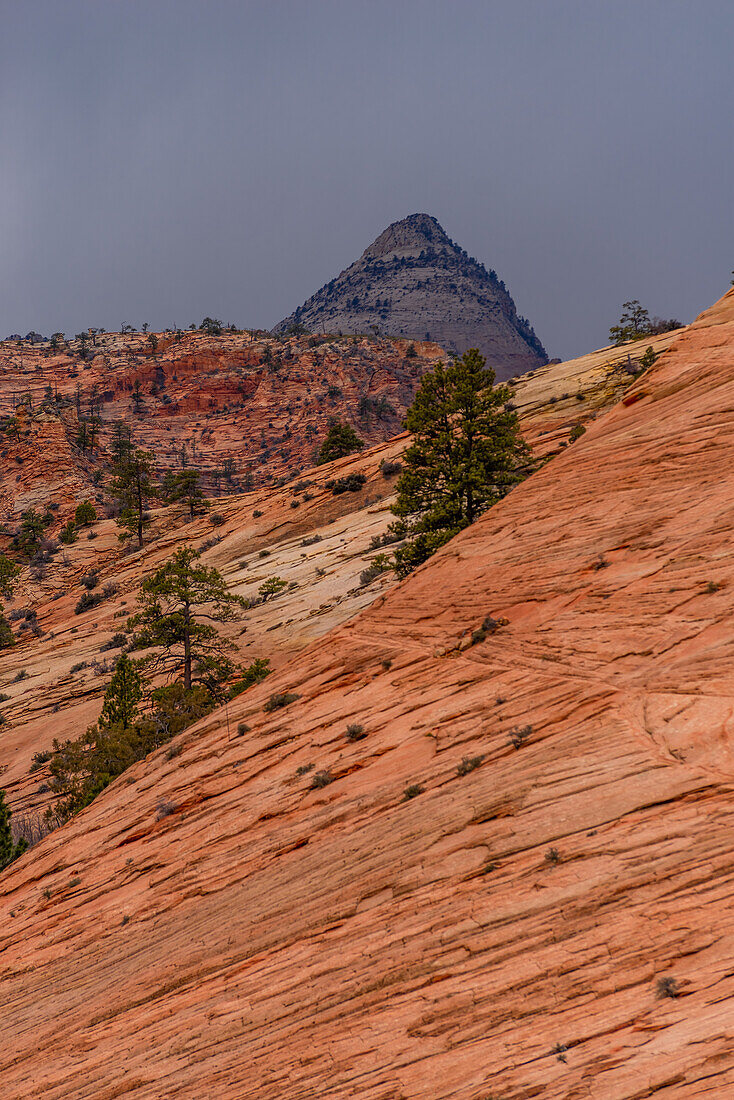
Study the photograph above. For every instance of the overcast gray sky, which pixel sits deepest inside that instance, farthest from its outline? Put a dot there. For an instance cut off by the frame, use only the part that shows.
(165, 159)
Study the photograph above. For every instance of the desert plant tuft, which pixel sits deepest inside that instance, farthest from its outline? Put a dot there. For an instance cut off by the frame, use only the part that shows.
(412, 791)
(468, 764)
(667, 987)
(553, 856)
(519, 735)
(321, 779)
(352, 483)
(355, 732)
(280, 699)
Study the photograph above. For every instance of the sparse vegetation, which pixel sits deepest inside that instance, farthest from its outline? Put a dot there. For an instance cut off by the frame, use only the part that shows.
(280, 699)
(412, 791)
(519, 735)
(379, 565)
(667, 987)
(635, 324)
(253, 674)
(468, 764)
(68, 534)
(352, 483)
(355, 732)
(321, 779)
(390, 469)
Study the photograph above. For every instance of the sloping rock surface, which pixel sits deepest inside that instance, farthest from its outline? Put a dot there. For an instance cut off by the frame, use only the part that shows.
(517, 884)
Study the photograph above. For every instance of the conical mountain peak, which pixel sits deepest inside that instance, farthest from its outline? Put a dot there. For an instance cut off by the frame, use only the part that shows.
(414, 282)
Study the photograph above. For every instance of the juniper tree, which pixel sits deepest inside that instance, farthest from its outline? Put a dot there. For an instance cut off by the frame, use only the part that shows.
(32, 526)
(8, 849)
(184, 487)
(341, 440)
(124, 692)
(466, 454)
(633, 324)
(85, 514)
(9, 573)
(121, 445)
(178, 605)
(133, 487)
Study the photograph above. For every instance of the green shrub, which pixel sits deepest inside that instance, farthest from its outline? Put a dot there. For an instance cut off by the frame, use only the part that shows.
(272, 587)
(253, 674)
(341, 440)
(87, 601)
(68, 533)
(390, 469)
(85, 514)
(352, 483)
(379, 565)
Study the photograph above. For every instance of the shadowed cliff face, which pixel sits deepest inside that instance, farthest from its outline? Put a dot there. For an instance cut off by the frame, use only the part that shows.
(516, 884)
(413, 281)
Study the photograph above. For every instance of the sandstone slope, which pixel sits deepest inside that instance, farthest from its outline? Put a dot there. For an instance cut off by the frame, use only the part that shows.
(414, 281)
(514, 929)
(319, 542)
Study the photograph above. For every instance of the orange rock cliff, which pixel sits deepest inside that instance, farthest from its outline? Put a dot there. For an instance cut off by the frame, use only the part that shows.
(516, 885)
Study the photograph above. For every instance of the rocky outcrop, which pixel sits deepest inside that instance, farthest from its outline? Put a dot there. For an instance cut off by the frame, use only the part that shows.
(244, 408)
(413, 281)
(516, 884)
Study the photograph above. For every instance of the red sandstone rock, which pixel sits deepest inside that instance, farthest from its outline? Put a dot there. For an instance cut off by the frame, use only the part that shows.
(506, 933)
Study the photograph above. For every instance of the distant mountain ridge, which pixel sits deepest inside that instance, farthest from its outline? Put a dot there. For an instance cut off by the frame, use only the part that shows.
(414, 281)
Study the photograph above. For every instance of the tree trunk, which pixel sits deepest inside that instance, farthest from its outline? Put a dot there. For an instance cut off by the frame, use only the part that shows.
(140, 512)
(187, 648)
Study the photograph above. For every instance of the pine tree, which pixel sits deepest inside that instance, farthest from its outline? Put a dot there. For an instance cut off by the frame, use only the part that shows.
(341, 440)
(633, 324)
(466, 454)
(184, 487)
(32, 526)
(121, 445)
(124, 692)
(133, 488)
(8, 850)
(9, 573)
(179, 603)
